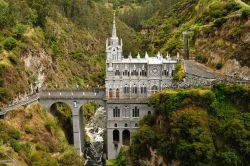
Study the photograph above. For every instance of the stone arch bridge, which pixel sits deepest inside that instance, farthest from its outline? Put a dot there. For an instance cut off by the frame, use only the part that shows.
(75, 99)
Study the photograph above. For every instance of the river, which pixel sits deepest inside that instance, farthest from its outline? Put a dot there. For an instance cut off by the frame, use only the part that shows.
(95, 129)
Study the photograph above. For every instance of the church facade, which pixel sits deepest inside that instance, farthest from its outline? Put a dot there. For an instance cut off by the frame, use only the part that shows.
(129, 82)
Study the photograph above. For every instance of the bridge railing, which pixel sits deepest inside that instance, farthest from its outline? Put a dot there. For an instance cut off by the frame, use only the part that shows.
(68, 94)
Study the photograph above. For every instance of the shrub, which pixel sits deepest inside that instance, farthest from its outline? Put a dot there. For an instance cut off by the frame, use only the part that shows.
(218, 66)
(70, 157)
(48, 126)
(229, 158)
(42, 158)
(201, 59)
(12, 59)
(2, 69)
(19, 31)
(219, 22)
(15, 145)
(4, 14)
(27, 129)
(42, 147)
(179, 72)
(3, 93)
(121, 158)
(217, 13)
(245, 14)
(15, 134)
(78, 56)
(87, 140)
(232, 6)
(10, 43)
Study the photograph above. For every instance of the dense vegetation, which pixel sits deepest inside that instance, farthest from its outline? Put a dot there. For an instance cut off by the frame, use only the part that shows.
(62, 40)
(197, 126)
(217, 30)
(33, 137)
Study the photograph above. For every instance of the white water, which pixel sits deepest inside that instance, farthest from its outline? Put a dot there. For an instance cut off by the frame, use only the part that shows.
(95, 130)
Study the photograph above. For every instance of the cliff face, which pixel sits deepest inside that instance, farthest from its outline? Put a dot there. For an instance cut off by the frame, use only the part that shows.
(228, 45)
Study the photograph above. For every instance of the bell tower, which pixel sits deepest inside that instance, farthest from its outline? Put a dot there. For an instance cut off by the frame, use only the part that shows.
(113, 46)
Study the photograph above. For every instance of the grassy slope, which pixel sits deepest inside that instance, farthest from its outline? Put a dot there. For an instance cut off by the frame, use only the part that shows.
(32, 136)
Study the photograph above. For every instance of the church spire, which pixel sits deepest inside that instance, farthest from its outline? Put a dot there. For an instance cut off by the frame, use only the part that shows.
(114, 38)
(114, 35)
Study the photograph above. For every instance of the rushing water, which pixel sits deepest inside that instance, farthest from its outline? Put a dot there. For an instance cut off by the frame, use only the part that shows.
(95, 130)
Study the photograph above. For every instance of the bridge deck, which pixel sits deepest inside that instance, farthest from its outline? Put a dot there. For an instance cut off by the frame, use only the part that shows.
(71, 94)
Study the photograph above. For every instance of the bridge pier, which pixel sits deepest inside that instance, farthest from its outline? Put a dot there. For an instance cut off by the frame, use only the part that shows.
(78, 130)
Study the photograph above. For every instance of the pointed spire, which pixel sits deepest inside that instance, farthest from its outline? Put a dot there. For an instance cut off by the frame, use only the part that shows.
(130, 56)
(138, 56)
(158, 55)
(146, 55)
(114, 35)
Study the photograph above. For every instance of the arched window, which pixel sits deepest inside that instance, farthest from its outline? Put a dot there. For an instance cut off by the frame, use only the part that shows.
(136, 112)
(115, 124)
(134, 73)
(143, 89)
(126, 125)
(126, 137)
(116, 112)
(164, 72)
(117, 72)
(125, 72)
(143, 72)
(116, 136)
(154, 89)
(117, 92)
(136, 125)
(149, 112)
(134, 89)
(110, 93)
(126, 89)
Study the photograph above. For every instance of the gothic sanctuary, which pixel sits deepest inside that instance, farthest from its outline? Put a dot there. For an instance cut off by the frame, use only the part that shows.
(129, 82)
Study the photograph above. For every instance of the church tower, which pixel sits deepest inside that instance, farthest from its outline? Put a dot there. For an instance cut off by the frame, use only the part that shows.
(113, 46)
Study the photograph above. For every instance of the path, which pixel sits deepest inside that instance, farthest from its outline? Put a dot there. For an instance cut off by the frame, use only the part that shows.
(197, 69)
(27, 101)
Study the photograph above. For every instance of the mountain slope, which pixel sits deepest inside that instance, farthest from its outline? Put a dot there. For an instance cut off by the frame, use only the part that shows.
(218, 29)
(61, 43)
(32, 136)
